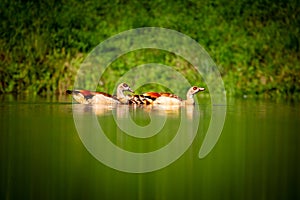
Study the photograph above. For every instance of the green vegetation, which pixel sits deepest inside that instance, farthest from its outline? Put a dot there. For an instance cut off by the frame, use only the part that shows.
(254, 43)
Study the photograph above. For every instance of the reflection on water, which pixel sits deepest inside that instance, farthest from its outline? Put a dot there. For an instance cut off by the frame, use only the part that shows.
(123, 110)
(42, 156)
(167, 130)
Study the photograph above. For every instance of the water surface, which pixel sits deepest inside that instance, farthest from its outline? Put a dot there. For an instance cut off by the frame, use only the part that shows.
(43, 157)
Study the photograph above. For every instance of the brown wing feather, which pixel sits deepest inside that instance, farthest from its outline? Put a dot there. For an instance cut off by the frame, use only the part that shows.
(84, 92)
(150, 97)
(140, 99)
(152, 94)
(87, 93)
(166, 94)
(102, 93)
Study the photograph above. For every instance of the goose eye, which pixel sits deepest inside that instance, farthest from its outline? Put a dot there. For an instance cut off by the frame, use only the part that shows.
(194, 88)
(125, 85)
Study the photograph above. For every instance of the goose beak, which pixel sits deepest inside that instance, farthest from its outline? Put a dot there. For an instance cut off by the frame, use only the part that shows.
(130, 90)
(199, 89)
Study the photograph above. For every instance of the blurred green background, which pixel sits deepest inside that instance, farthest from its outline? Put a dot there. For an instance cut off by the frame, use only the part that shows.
(255, 44)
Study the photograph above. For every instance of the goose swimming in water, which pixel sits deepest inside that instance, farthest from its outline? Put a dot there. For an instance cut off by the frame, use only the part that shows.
(90, 97)
(166, 98)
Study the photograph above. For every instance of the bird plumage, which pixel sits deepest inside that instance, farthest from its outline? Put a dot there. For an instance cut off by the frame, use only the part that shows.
(91, 97)
(165, 98)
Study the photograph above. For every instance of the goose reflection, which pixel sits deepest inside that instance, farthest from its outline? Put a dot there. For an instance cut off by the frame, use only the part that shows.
(125, 111)
(165, 110)
(142, 121)
(99, 110)
(172, 110)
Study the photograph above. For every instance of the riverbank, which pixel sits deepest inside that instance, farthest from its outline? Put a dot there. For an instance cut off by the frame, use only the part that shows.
(254, 44)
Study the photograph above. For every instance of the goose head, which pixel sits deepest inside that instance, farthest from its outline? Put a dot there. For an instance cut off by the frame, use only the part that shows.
(120, 95)
(190, 94)
(194, 90)
(124, 87)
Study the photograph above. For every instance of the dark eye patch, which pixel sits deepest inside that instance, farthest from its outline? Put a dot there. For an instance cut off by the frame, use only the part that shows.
(194, 88)
(125, 85)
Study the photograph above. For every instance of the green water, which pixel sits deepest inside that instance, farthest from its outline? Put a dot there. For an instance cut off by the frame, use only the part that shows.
(43, 157)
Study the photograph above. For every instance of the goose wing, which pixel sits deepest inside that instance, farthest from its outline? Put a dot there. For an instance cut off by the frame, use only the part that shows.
(170, 95)
(152, 95)
(86, 96)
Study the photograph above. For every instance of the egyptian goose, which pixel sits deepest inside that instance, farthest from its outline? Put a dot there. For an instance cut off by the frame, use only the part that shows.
(122, 98)
(90, 97)
(165, 98)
